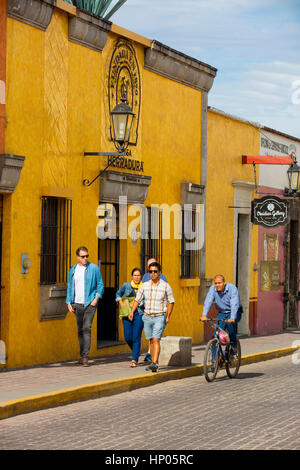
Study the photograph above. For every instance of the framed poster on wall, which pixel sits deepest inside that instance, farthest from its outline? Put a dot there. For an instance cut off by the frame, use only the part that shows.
(270, 275)
(270, 246)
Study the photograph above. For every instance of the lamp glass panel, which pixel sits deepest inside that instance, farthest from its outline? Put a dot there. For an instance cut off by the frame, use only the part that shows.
(129, 125)
(294, 180)
(120, 124)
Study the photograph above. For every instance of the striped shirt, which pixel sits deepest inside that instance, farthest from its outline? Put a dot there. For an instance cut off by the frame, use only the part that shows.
(156, 297)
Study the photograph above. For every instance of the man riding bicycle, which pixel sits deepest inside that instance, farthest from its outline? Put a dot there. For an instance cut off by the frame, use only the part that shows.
(226, 298)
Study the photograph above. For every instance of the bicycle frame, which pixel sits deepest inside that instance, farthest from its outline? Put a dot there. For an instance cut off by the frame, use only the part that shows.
(221, 348)
(217, 354)
(216, 328)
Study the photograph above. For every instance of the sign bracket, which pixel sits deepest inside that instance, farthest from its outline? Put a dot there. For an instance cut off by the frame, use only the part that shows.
(266, 160)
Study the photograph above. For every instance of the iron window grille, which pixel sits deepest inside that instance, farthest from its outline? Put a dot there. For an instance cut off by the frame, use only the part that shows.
(55, 240)
(151, 236)
(190, 258)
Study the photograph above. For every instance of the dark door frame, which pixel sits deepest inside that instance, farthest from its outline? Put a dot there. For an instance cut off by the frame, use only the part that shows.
(292, 250)
(107, 320)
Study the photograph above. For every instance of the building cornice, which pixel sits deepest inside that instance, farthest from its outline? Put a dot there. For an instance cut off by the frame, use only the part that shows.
(37, 13)
(92, 31)
(89, 30)
(120, 31)
(232, 116)
(177, 66)
(283, 134)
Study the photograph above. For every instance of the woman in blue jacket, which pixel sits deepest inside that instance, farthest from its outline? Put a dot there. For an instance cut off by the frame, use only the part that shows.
(132, 329)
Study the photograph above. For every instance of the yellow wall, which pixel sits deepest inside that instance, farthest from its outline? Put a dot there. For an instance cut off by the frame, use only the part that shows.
(56, 110)
(169, 145)
(227, 139)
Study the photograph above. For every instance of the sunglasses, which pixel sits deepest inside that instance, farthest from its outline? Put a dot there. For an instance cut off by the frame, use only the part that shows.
(153, 271)
(84, 256)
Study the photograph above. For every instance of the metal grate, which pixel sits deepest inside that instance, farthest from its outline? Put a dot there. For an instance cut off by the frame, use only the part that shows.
(190, 259)
(56, 240)
(151, 242)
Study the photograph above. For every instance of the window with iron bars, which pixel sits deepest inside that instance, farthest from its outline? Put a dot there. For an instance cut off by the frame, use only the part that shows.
(55, 240)
(151, 236)
(190, 258)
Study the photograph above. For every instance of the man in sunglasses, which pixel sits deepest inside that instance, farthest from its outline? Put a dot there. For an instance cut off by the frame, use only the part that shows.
(159, 303)
(146, 278)
(85, 288)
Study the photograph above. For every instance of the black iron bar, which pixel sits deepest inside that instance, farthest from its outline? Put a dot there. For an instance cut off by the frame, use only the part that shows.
(87, 182)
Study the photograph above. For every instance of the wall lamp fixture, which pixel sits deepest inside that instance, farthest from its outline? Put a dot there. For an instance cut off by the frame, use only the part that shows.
(122, 119)
(293, 175)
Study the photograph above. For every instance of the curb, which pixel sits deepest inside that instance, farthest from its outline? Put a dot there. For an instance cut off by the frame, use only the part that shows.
(112, 387)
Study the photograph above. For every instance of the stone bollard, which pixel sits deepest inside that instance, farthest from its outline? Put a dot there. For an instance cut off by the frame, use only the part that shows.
(175, 351)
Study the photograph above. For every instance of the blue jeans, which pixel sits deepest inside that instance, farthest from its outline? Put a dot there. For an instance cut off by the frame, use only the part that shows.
(133, 333)
(230, 327)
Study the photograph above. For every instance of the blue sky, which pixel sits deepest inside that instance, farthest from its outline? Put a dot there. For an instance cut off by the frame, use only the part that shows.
(254, 44)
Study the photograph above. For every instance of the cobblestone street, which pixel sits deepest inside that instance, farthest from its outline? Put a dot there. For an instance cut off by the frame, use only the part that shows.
(258, 410)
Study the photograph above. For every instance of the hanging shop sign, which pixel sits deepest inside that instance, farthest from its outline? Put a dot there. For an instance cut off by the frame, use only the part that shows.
(124, 80)
(270, 211)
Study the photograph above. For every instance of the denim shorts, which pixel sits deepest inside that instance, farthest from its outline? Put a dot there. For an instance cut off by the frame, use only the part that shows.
(154, 326)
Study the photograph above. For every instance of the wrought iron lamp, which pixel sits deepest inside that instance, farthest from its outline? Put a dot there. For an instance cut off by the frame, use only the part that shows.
(122, 118)
(293, 175)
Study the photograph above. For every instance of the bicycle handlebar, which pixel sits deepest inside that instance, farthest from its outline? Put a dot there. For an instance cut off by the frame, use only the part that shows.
(215, 320)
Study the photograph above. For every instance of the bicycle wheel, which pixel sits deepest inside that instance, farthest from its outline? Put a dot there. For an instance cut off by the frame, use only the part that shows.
(234, 361)
(211, 360)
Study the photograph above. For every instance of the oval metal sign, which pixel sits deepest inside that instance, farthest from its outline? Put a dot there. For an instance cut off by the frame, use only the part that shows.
(270, 211)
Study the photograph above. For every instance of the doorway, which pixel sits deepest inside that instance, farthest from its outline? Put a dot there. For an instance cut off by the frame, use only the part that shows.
(107, 319)
(293, 278)
(242, 275)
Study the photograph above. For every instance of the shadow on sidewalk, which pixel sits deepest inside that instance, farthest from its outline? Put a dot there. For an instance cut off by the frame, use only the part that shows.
(93, 361)
(240, 376)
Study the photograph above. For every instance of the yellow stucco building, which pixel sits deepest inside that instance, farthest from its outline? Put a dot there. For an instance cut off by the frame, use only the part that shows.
(65, 71)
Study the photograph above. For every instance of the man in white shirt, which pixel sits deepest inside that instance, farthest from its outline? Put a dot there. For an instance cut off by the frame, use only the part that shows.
(85, 288)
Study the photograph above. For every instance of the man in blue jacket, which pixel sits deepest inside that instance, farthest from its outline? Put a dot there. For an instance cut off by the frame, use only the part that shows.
(85, 288)
(226, 298)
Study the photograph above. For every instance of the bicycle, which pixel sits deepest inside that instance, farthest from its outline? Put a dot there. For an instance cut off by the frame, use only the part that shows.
(218, 351)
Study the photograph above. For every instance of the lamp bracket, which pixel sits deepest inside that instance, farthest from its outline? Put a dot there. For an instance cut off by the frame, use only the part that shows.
(87, 182)
(106, 154)
(267, 160)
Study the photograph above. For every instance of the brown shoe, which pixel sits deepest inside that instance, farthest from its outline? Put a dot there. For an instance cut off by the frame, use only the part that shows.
(85, 362)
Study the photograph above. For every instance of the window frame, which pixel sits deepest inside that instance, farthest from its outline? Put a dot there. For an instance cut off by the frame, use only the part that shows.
(151, 247)
(189, 259)
(56, 228)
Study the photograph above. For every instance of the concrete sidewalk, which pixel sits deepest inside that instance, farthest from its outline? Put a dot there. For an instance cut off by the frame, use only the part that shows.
(48, 385)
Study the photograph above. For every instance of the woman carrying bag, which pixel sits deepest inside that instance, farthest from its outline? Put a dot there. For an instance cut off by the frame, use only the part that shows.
(132, 329)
